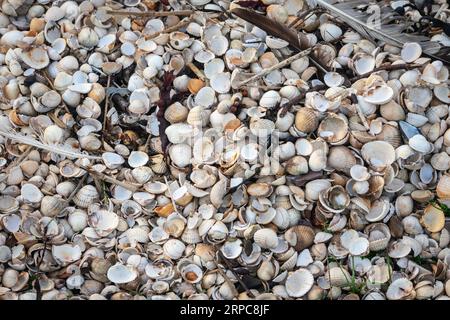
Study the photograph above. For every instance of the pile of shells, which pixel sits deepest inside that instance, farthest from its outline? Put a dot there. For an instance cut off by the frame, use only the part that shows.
(134, 164)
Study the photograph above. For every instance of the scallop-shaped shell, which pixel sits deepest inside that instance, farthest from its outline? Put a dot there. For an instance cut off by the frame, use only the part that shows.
(174, 248)
(266, 238)
(85, 196)
(176, 112)
(300, 237)
(379, 236)
(443, 187)
(306, 120)
(299, 283)
(262, 127)
(338, 277)
(52, 205)
(191, 236)
(363, 63)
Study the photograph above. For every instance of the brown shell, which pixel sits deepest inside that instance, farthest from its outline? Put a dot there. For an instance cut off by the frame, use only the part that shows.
(306, 120)
(300, 237)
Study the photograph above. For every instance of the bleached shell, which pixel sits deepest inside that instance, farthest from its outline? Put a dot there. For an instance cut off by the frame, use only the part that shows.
(78, 220)
(205, 97)
(174, 248)
(218, 45)
(420, 144)
(137, 159)
(442, 93)
(333, 79)
(104, 222)
(359, 173)
(330, 32)
(30, 193)
(120, 273)
(232, 249)
(289, 92)
(379, 95)
(270, 99)
(220, 82)
(179, 132)
(36, 58)
(363, 63)
(218, 191)
(333, 129)
(358, 246)
(66, 253)
(180, 154)
(399, 289)
(276, 43)
(214, 67)
(262, 127)
(315, 187)
(411, 51)
(112, 160)
(191, 236)
(378, 154)
(378, 210)
(299, 283)
(266, 238)
(399, 249)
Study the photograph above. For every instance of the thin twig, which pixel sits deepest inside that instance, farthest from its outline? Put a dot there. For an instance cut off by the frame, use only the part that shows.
(285, 107)
(179, 25)
(277, 66)
(228, 280)
(18, 161)
(109, 179)
(151, 13)
(74, 192)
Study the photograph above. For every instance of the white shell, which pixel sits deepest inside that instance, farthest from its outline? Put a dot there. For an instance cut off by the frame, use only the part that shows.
(120, 273)
(299, 283)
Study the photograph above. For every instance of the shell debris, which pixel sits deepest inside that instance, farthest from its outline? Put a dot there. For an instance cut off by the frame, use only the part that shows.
(149, 149)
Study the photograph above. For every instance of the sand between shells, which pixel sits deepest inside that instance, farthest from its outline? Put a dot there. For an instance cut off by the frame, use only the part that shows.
(181, 156)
